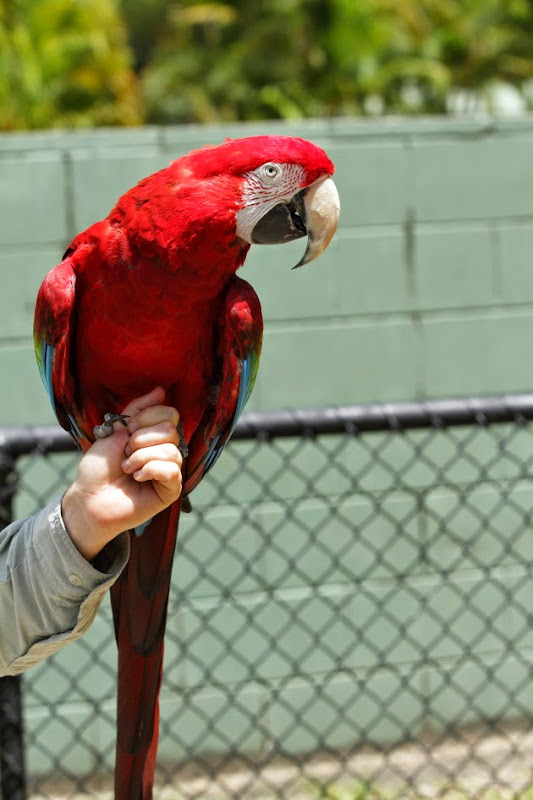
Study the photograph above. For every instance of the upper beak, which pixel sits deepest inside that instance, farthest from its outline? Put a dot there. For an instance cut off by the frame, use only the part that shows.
(322, 208)
(313, 212)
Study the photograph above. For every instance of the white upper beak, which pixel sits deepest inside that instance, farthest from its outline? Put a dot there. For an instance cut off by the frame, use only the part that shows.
(322, 208)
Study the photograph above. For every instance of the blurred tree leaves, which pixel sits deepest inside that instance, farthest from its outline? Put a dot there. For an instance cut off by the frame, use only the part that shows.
(80, 62)
(67, 63)
(293, 58)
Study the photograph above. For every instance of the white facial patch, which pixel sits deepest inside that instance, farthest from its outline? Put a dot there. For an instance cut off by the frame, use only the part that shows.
(264, 188)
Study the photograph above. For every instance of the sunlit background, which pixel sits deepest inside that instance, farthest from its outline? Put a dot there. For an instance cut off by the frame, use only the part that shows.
(128, 62)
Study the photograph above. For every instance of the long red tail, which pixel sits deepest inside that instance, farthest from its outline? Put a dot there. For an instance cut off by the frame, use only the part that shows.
(140, 600)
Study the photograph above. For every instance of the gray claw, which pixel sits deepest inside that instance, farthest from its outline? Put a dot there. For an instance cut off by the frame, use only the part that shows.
(106, 428)
(182, 447)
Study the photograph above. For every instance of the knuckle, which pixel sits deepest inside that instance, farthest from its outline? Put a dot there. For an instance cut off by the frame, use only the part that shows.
(177, 485)
(175, 474)
(168, 429)
(136, 439)
(175, 417)
(168, 452)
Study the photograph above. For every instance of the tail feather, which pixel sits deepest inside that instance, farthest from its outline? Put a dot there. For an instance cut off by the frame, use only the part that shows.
(140, 602)
(156, 551)
(148, 579)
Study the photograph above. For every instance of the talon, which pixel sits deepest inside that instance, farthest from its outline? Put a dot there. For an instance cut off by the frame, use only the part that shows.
(182, 446)
(106, 428)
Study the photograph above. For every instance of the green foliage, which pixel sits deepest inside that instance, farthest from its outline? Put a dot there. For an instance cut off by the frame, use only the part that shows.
(64, 62)
(225, 61)
(295, 58)
(81, 62)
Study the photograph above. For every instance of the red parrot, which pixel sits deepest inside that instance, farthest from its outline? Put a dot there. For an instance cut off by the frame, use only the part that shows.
(149, 296)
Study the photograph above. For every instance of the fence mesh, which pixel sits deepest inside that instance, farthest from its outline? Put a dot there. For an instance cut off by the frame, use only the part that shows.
(350, 618)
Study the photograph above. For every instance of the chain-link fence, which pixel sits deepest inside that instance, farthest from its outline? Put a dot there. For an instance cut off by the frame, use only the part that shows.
(350, 618)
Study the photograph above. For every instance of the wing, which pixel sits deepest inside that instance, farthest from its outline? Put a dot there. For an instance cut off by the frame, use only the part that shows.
(53, 332)
(240, 330)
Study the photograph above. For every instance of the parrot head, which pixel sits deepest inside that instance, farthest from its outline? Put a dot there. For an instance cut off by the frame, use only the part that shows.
(286, 190)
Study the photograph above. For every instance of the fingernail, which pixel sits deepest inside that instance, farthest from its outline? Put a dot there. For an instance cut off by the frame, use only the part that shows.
(126, 464)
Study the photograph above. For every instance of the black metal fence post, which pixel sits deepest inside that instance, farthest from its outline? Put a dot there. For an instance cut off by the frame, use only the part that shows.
(12, 769)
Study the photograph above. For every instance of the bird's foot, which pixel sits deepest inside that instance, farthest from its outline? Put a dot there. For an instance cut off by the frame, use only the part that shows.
(106, 428)
(184, 450)
(182, 446)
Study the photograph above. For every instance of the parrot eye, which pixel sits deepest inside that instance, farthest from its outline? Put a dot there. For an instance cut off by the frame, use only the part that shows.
(272, 172)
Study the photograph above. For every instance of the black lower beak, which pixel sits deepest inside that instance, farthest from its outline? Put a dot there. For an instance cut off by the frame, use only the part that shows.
(284, 223)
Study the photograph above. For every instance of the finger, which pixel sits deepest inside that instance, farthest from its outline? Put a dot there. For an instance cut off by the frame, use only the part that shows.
(155, 397)
(163, 433)
(153, 415)
(164, 472)
(162, 452)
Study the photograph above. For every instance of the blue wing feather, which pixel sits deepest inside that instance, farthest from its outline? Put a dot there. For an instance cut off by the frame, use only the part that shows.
(240, 349)
(248, 373)
(47, 371)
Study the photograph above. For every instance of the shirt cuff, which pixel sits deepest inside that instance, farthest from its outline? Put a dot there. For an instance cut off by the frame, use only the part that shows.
(70, 572)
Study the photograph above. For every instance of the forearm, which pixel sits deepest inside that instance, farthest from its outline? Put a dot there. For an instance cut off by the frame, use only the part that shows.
(49, 593)
(88, 534)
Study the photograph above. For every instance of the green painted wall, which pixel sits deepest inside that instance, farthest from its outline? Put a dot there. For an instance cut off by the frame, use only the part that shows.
(426, 291)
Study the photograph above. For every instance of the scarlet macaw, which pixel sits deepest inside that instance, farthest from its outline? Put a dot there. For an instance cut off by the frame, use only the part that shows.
(149, 296)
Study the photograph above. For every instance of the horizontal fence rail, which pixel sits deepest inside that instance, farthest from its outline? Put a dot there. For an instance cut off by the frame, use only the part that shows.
(21, 440)
(350, 615)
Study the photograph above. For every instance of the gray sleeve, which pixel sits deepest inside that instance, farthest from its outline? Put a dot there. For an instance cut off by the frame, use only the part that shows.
(49, 594)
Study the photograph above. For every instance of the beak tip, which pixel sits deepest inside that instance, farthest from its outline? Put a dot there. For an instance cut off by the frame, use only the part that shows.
(302, 261)
(322, 207)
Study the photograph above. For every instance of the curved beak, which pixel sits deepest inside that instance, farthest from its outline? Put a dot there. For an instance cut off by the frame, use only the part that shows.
(313, 212)
(322, 208)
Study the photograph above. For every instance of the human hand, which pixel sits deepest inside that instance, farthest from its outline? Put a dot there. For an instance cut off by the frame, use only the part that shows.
(126, 478)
